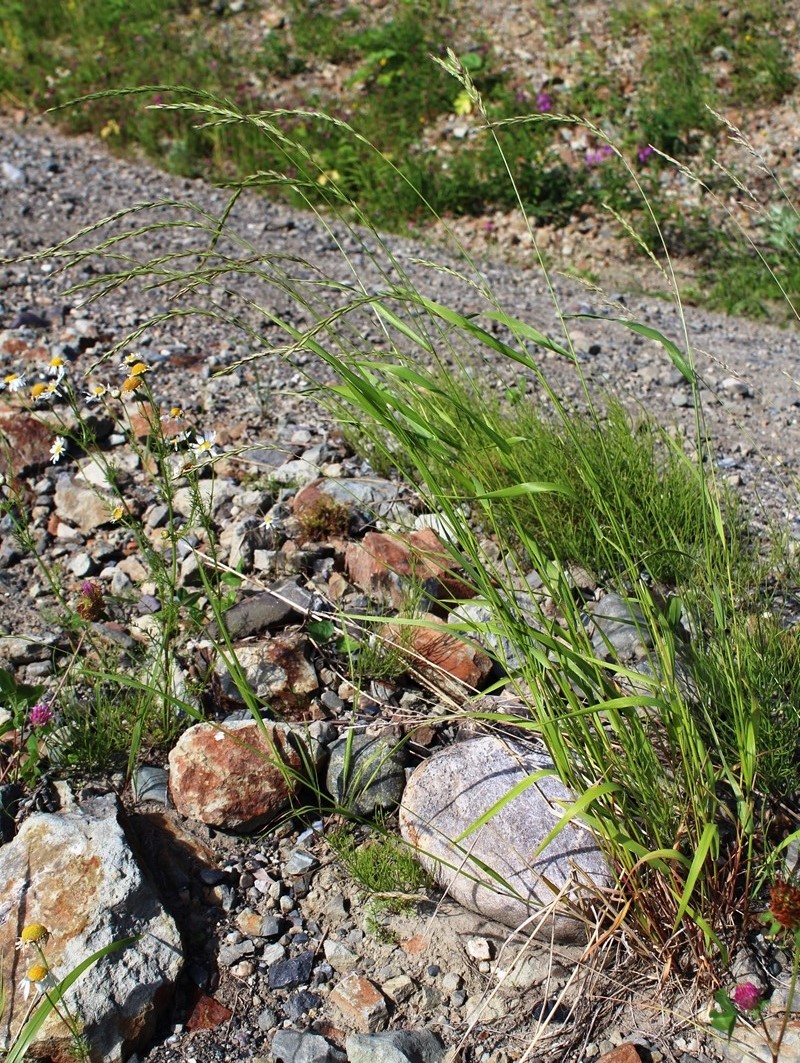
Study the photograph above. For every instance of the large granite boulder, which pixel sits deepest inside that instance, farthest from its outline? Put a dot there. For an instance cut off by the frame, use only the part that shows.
(453, 789)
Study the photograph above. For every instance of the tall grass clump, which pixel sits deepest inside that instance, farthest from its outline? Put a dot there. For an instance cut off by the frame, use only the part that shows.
(668, 755)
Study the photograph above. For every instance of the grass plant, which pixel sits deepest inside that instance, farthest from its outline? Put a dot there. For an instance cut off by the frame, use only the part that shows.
(671, 759)
(380, 863)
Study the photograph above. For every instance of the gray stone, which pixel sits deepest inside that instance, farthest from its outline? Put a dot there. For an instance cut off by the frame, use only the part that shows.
(366, 774)
(210, 494)
(230, 954)
(479, 617)
(81, 506)
(273, 954)
(621, 628)
(394, 1046)
(339, 956)
(275, 667)
(267, 1020)
(74, 872)
(300, 862)
(295, 472)
(150, 784)
(81, 565)
(373, 496)
(291, 1046)
(451, 790)
(246, 537)
(269, 608)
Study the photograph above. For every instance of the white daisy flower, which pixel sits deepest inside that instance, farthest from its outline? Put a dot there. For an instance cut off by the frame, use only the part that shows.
(37, 977)
(96, 392)
(203, 445)
(15, 381)
(181, 437)
(58, 449)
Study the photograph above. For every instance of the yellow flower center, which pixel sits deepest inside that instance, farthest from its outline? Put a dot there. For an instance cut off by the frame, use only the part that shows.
(131, 384)
(34, 932)
(37, 973)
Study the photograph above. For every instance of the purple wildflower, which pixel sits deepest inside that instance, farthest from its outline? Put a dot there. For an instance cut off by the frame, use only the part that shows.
(746, 996)
(644, 153)
(597, 156)
(40, 715)
(544, 102)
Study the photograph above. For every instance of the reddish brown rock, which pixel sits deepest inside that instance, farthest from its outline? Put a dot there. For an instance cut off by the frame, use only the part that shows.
(147, 422)
(439, 654)
(236, 776)
(361, 1004)
(389, 567)
(625, 1053)
(27, 442)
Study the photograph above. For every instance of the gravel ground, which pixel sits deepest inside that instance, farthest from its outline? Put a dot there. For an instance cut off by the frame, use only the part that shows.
(51, 186)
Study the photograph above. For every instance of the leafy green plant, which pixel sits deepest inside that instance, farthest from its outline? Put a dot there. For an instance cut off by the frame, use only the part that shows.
(24, 722)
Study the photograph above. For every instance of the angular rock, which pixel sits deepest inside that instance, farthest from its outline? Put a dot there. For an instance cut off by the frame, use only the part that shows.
(276, 670)
(74, 872)
(369, 495)
(339, 956)
(292, 972)
(28, 441)
(366, 773)
(621, 628)
(361, 1004)
(247, 536)
(228, 775)
(270, 608)
(451, 790)
(80, 505)
(211, 494)
(390, 568)
(439, 654)
(395, 1046)
(624, 1053)
(477, 614)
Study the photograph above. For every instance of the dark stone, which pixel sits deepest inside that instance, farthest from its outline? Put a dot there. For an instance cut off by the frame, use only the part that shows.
(272, 927)
(366, 774)
(550, 1011)
(28, 319)
(10, 797)
(270, 608)
(301, 1003)
(292, 972)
